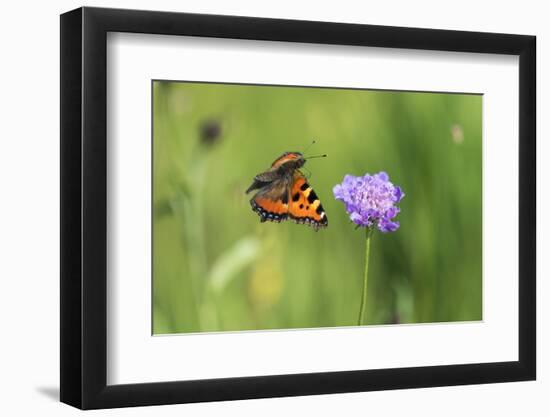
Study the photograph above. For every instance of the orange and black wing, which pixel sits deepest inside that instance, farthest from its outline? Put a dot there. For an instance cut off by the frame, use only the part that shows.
(271, 202)
(303, 204)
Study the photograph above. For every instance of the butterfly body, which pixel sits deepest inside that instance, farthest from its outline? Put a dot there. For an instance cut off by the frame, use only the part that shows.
(284, 193)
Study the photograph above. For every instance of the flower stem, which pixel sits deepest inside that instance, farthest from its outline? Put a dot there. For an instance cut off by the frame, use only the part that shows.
(365, 279)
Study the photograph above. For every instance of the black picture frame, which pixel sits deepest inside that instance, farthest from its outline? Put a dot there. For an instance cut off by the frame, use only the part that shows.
(84, 207)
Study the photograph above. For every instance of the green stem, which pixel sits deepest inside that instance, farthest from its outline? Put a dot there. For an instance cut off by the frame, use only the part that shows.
(365, 280)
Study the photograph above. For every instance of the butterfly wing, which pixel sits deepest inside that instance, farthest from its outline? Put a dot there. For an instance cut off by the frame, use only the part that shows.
(304, 206)
(271, 202)
(263, 180)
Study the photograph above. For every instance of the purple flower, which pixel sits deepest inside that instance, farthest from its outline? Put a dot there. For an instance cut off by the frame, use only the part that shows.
(370, 200)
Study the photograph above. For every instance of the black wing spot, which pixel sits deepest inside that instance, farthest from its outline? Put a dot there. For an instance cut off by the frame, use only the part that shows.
(312, 197)
(301, 206)
(285, 199)
(296, 197)
(319, 209)
(304, 186)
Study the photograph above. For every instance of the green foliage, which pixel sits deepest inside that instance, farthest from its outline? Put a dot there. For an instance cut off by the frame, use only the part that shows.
(215, 267)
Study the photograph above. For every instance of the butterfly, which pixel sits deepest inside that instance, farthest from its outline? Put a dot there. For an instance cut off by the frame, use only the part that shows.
(284, 193)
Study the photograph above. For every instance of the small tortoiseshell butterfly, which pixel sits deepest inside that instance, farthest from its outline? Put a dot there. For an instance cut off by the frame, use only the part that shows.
(285, 193)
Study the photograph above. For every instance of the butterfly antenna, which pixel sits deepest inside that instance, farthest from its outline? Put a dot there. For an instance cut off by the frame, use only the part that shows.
(309, 146)
(316, 156)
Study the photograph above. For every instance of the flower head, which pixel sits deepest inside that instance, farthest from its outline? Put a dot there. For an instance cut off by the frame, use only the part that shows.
(370, 200)
(210, 131)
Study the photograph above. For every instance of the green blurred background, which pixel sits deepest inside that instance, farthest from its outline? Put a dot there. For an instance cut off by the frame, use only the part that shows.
(216, 268)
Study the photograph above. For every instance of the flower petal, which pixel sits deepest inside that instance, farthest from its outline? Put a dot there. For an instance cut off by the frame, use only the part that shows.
(392, 212)
(349, 180)
(357, 219)
(338, 192)
(398, 194)
(386, 226)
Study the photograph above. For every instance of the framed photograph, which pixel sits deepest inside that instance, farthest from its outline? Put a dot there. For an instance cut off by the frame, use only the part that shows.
(258, 208)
